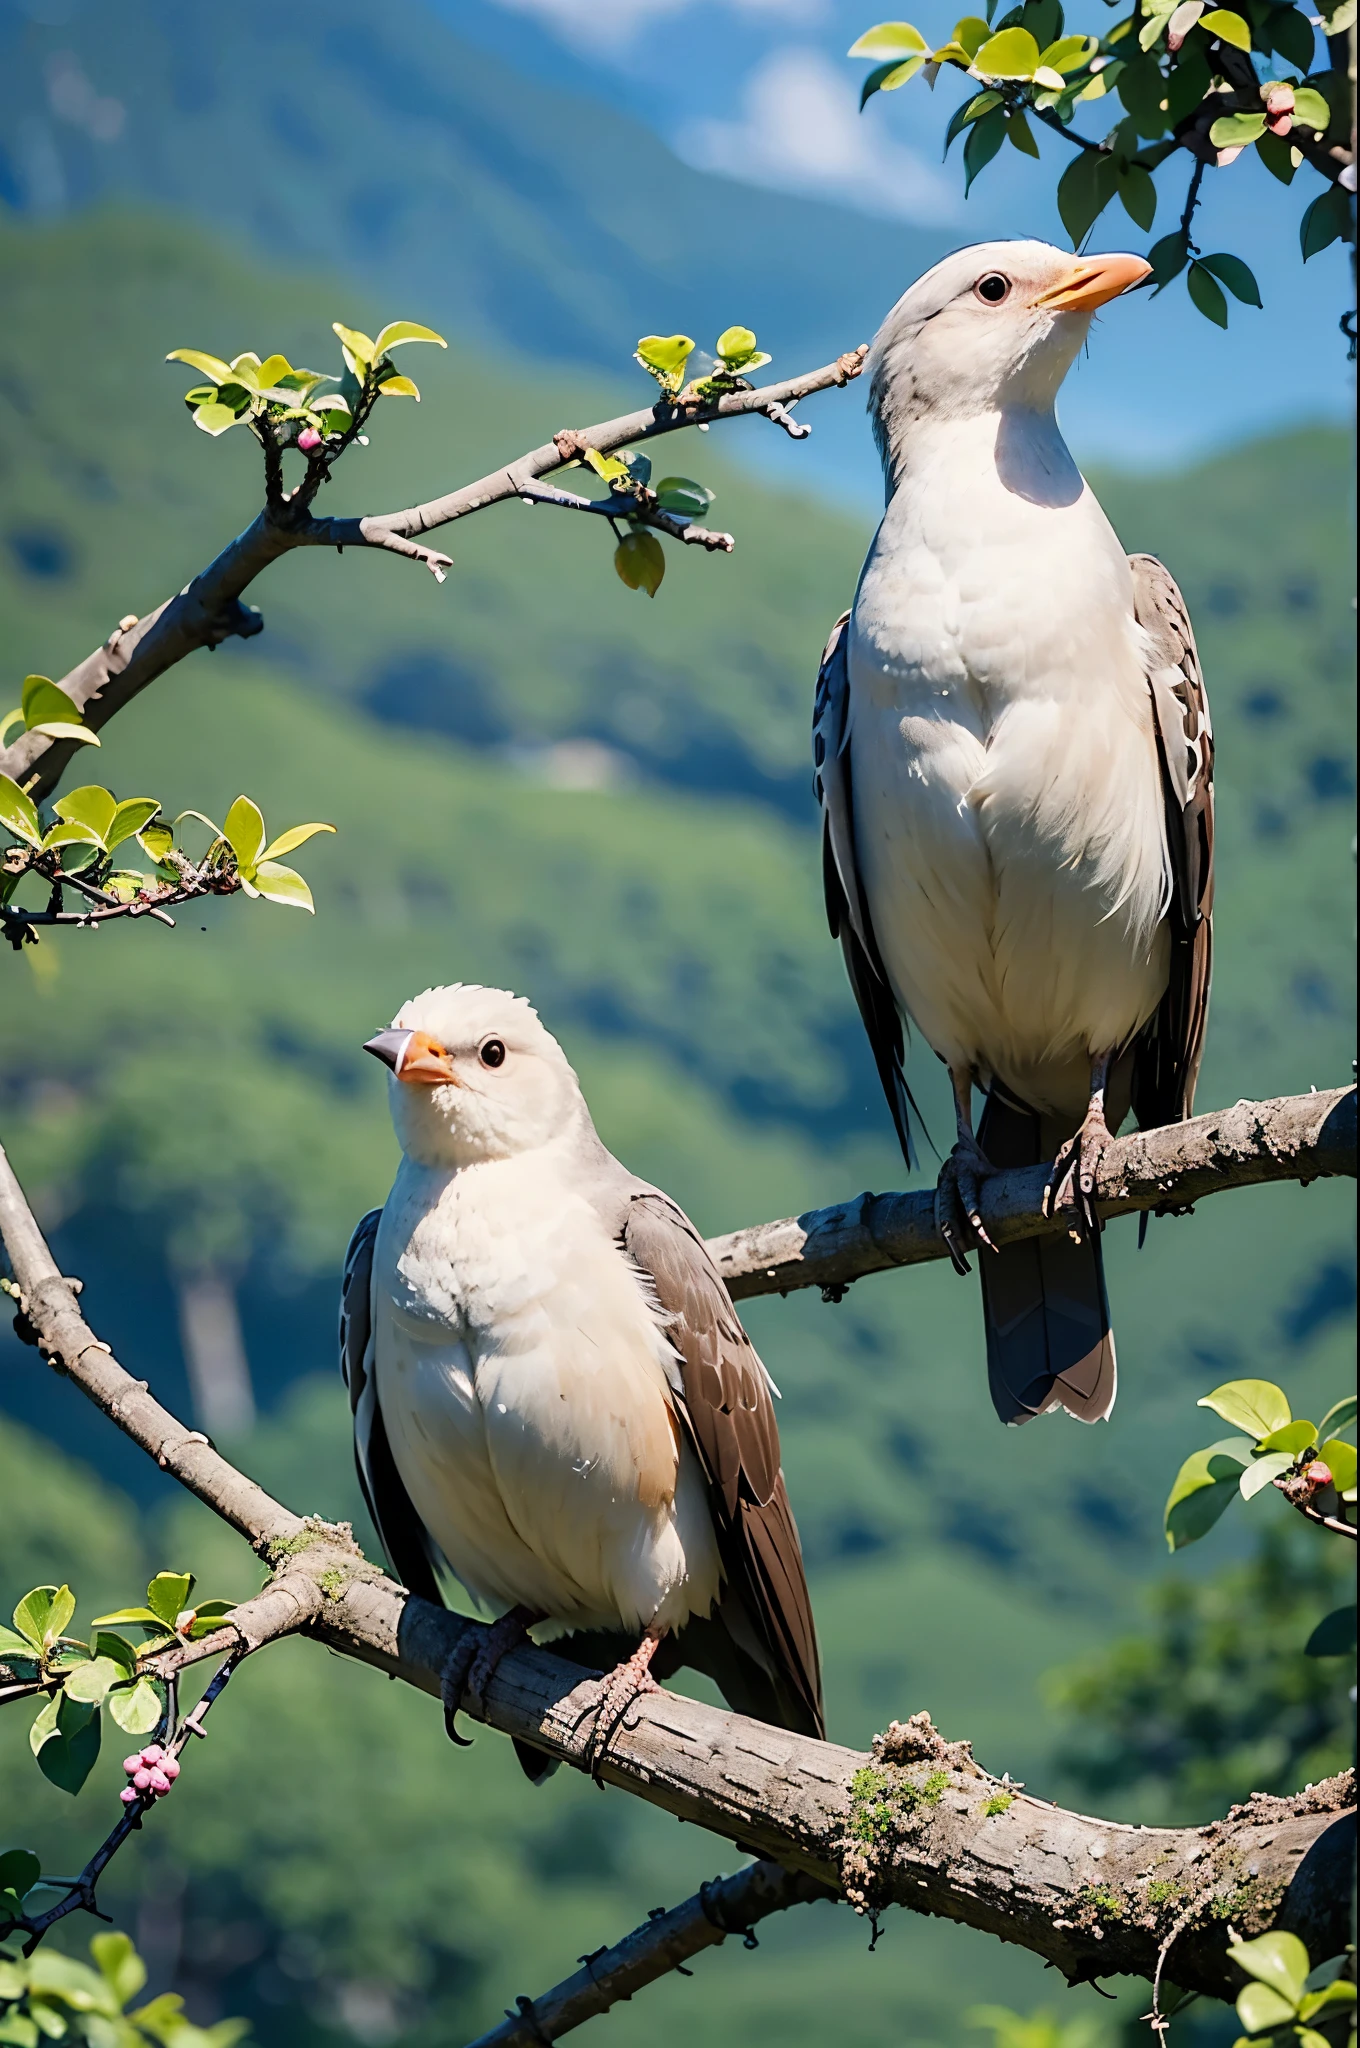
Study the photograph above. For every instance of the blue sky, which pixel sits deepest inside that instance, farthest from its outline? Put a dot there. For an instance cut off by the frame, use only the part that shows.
(762, 90)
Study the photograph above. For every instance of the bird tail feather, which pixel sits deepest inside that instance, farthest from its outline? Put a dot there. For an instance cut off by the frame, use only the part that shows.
(1049, 1340)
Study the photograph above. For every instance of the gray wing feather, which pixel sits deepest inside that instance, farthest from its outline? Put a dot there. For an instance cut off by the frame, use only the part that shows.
(847, 908)
(726, 1406)
(1168, 1051)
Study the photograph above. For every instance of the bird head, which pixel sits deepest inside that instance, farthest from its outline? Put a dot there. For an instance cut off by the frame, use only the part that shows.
(475, 1076)
(991, 327)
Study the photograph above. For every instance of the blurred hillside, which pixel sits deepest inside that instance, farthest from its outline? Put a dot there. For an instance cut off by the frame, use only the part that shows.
(544, 781)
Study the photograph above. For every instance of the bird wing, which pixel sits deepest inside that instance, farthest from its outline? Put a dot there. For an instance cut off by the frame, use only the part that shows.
(725, 1404)
(399, 1528)
(1168, 1050)
(847, 908)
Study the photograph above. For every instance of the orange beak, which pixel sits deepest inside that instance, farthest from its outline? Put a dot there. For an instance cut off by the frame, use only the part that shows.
(1094, 282)
(414, 1056)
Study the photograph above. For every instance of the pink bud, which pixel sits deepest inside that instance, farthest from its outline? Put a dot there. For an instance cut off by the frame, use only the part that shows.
(127, 1795)
(1318, 1473)
(152, 1754)
(1282, 125)
(309, 439)
(171, 1769)
(142, 1780)
(131, 1764)
(1279, 99)
(159, 1783)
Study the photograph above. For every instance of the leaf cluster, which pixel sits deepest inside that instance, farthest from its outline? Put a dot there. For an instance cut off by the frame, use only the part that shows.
(50, 1997)
(83, 1678)
(270, 394)
(1285, 2004)
(1273, 1446)
(639, 559)
(46, 709)
(666, 357)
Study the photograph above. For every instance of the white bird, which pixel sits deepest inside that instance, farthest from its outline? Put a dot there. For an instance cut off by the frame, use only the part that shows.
(553, 1397)
(1014, 763)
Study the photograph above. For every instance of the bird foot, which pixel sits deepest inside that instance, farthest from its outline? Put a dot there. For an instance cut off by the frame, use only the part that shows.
(473, 1664)
(623, 1686)
(1076, 1171)
(958, 1199)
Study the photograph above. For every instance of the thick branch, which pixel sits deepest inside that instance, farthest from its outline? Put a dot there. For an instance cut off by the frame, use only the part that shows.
(1091, 1897)
(209, 611)
(1293, 1137)
(664, 1942)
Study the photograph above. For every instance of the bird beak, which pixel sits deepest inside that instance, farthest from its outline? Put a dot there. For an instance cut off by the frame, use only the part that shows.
(413, 1056)
(1094, 282)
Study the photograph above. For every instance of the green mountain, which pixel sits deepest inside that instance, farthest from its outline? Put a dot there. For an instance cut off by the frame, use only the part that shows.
(330, 1865)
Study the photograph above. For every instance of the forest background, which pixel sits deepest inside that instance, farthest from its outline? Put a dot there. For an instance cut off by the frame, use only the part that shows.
(542, 780)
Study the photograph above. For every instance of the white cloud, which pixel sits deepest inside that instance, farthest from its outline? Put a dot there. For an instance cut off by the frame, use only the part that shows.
(801, 131)
(606, 27)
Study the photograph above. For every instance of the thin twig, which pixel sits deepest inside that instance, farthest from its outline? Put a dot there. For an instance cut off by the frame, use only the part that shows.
(664, 1942)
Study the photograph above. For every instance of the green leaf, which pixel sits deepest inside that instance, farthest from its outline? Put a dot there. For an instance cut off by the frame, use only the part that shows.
(43, 703)
(136, 1708)
(1334, 1636)
(1339, 1991)
(1138, 195)
(243, 830)
(139, 1614)
(71, 835)
(43, 1614)
(1012, 54)
(665, 355)
(1339, 1416)
(971, 33)
(1258, 1475)
(398, 387)
(1311, 109)
(358, 344)
(606, 466)
(1019, 133)
(1339, 1457)
(985, 138)
(1227, 26)
(12, 1645)
(1327, 220)
(1168, 258)
(1277, 1959)
(1260, 2007)
(91, 1680)
(1295, 1437)
(117, 1649)
(967, 112)
(19, 1871)
(214, 418)
(168, 1594)
(296, 835)
(1068, 54)
(1289, 31)
(1084, 191)
(1233, 272)
(271, 370)
(17, 2030)
(640, 562)
(1203, 1488)
(1257, 1406)
(398, 331)
(681, 494)
(131, 816)
(208, 1616)
(66, 1742)
(156, 841)
(889, 40)
(211, 366)
(119, 1964)
(282, 885)
(1235, 131)
(736, 346)
(18, 813)
(91, 806)
(888, 77)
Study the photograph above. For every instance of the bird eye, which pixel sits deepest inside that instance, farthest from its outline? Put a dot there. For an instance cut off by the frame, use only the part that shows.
(992, 288)
(492, 1054)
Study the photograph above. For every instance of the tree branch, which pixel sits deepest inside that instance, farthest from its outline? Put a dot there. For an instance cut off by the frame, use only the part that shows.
(209, 611)
(664, 1942)
(955, 1842)
(1293, 1137)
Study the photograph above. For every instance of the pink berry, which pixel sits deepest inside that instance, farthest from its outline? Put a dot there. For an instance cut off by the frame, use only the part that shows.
(131, 1764)
(170, 1768)
(152, 1754)
(142, 1780)
(1279, 99)
(1318, 1473)
(309, 439)
(159, 1783)
(127, 1795)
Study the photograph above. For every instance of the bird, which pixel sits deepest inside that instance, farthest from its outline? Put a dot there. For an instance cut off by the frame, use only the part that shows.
(554, 1400)
(1013, 758)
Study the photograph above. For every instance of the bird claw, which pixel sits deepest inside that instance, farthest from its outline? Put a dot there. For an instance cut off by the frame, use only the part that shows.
(453, 1681)
(472, 1666)
(958, 1203)
(617, 1693)
(1075, 1176)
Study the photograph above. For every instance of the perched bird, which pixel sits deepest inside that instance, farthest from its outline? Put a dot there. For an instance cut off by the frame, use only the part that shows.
(553, 1397)
(1014, 764)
